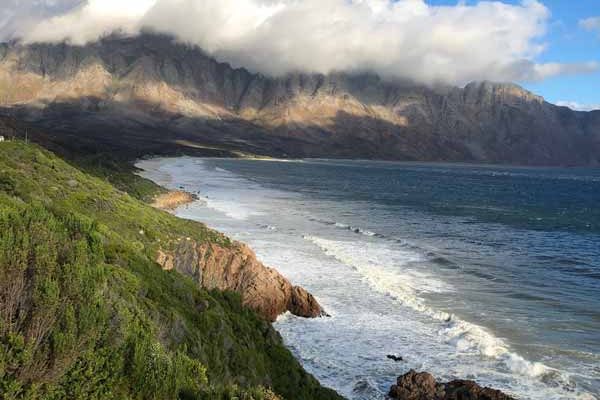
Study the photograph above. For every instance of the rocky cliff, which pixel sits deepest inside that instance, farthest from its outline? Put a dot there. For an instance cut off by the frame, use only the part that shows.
(150, 92)
(263, 289)
(234, 268)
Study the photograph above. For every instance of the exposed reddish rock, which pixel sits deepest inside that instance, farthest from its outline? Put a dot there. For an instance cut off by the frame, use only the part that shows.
(263, 289)
(165, 260)
(414, 386)
(423, 386)
(172, 200)
(303, 304)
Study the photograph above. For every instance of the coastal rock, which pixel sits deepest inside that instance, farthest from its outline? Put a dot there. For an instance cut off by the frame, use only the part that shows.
(263, 289)
(423, 386)
(394, 357)
(165, 260)
(415, 386)
(303, 304)
(173, 199)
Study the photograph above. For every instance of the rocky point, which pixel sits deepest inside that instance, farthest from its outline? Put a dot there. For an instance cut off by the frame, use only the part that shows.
(423, 386)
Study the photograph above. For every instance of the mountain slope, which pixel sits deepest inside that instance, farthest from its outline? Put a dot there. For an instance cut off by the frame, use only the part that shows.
(153, 91)
(86, 312)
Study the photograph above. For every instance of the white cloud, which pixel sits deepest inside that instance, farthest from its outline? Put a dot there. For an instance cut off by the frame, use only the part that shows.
(88, 21)
(21, 15)
(543, 71)
(578, 106)
(591, 24)
(398, 39)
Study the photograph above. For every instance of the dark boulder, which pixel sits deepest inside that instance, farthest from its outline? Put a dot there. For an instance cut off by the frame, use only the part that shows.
(423, 386)
(394, 357)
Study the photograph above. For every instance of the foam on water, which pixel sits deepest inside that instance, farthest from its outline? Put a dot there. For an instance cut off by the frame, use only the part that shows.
(351, 228)
(178, 175)
(230, 208)
(388, 272)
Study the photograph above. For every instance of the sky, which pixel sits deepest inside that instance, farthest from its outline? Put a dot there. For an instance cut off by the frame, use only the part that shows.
(551, 47)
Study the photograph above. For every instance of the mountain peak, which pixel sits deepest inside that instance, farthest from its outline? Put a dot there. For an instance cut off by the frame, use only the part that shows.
(503, 90)
(180, 91)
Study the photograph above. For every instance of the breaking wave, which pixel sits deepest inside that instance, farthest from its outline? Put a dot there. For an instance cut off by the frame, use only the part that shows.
(347, 227)
(393, 273)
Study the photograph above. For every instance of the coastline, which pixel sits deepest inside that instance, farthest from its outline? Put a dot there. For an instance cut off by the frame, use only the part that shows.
(263, 289)
(147, 332)
(420, 384)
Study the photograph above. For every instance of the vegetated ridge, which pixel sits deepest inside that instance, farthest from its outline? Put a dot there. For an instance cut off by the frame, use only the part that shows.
(87, 312)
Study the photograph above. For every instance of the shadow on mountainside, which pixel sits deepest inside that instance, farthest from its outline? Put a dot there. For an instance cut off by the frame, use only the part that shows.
(131, 130)
(90, 126)
(121, 87)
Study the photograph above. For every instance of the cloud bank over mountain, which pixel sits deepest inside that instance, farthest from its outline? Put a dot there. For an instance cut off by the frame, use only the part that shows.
(405, 39)
(573, 105)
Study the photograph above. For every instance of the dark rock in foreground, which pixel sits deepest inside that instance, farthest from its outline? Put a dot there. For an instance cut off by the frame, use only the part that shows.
(423, 386)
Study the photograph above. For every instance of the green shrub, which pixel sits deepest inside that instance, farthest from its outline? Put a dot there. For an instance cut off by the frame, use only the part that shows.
(7, 184)
(86, 313)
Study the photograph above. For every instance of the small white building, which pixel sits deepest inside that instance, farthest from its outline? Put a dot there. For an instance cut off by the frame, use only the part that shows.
(1, 138)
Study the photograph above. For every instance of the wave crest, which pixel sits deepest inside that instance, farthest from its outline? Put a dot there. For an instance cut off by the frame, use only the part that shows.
(405, 284)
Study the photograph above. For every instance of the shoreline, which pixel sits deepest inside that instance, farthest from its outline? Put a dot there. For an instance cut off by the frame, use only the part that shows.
(421, 385)
(263, 289)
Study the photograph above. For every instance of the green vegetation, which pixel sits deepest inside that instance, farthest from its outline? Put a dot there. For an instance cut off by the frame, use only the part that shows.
(120, 173)
(86, 313)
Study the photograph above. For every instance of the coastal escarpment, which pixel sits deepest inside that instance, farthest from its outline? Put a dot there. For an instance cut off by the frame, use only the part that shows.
(236, 268)
(87, 313)
(423, 386)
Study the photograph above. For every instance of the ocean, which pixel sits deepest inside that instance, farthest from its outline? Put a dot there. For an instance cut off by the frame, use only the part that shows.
(489, 273)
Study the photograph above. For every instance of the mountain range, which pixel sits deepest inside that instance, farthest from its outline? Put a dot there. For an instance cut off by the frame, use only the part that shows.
(153, 94)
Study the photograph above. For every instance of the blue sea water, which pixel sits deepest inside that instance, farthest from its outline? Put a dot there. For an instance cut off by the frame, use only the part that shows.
(482, 272)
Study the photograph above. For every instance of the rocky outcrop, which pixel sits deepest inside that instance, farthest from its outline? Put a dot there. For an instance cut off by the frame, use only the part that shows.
(263, 289)
(151, 90)
(173, 199)
(423, 386)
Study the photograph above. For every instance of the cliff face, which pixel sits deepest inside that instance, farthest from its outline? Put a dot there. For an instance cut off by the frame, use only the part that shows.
(234, 268)
(152, 89)
(263, 289)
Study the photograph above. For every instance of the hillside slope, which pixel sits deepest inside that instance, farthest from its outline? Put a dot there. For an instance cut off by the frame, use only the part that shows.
(153, 94)
(86, 312)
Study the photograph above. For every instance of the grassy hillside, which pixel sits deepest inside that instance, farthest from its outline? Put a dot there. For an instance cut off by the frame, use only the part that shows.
(85, 312)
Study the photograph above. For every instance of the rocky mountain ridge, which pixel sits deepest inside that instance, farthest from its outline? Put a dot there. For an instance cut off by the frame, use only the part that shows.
(151, 89)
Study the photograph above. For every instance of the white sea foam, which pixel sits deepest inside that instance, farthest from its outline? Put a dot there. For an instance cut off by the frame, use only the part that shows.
(268, 227)
(393, 278)
(389, 272)
(182, 173)
(361, 231)
(231, 208)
